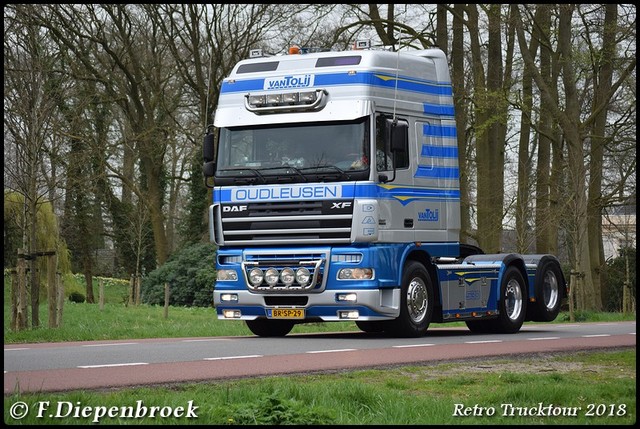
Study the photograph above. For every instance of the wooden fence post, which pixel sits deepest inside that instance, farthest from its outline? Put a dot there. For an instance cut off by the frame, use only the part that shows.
(60, 298)
(52, 262)
(22, 310)
(14, 300)
(138, 287)
(132, 289)
(166, 300)
(101, 291)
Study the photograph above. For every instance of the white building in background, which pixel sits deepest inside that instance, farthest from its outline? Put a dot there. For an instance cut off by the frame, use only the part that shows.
(618, 229)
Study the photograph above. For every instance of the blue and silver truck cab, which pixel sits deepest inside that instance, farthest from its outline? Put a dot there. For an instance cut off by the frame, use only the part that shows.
(336, 197)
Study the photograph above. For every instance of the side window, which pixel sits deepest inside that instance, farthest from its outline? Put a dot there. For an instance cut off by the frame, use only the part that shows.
(384, 156)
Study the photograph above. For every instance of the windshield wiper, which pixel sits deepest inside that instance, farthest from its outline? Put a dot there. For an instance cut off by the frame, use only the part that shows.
(340, 171)
(253, 170)
(287, 167)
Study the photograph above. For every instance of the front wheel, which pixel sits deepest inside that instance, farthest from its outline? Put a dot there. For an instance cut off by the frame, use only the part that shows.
(513, 302)
(371, 326)
(417, 301)
(270, 327)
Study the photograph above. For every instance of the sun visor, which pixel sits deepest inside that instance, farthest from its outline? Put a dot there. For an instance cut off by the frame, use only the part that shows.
(236, 115)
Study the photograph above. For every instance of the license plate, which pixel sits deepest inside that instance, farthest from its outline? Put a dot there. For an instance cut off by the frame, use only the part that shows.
(285, 313)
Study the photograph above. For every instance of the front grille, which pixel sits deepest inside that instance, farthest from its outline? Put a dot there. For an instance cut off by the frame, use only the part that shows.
(286, 222)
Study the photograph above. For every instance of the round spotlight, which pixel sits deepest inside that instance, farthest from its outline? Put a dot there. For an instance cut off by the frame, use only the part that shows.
(287, 276)
(256, 276)
(271, 276)
(303, 276)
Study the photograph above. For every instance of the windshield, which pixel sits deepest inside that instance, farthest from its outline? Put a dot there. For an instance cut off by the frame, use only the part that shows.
(324, 151)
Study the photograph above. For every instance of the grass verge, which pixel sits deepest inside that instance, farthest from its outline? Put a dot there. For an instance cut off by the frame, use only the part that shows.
(566, 389)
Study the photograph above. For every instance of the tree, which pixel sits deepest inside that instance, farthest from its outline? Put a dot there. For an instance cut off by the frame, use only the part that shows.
(29, 60)
(568, 114)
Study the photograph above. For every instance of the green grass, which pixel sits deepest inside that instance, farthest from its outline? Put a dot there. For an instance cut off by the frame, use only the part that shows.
(601, 382)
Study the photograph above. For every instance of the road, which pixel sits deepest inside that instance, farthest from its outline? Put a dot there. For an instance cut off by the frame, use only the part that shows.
(54, 367)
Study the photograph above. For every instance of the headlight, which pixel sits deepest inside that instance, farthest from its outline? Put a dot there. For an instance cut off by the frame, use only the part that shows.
(226, 275)
(256, 276)
(287, 276)
(303, 276)
(355, 274)
(271, 276)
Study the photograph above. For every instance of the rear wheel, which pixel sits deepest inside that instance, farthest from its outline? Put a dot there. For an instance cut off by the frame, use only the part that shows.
(416, 302)
(548, 294)
(270, 327)
(513, 302)
(481, 326)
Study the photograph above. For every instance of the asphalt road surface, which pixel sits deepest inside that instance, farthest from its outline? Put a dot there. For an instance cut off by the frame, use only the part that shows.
(54, 367)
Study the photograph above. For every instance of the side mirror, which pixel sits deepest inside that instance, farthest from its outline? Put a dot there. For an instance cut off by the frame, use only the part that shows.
(208, 148)
(398, 135)
(209, 169)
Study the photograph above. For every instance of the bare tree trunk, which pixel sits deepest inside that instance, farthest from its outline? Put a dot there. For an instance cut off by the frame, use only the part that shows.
(13, 323)
(587, 298)
(88, 278)
(33, 265)
(442, 28)
(460, 100)
(603, 75)
(486, 239)
(547, 169)
(490, 108)
(523, 202)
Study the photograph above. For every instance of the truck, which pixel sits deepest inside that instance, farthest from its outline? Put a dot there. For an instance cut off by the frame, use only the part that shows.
(336, 197)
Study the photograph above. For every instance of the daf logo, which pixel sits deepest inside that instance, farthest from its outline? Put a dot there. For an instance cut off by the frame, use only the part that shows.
(340, 205)
(229, 209)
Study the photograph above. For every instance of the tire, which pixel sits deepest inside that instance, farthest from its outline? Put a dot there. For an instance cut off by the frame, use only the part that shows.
(371, 326)
(512, 305)
(548, 293)
(417, 301)
(269, 327)
(482, 326)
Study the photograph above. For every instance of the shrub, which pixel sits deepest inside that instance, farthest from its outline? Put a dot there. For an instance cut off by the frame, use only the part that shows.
(619, 271)
(190, 274)
(76, 297)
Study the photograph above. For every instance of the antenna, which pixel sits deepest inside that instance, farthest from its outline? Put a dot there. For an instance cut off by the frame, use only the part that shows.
(395, 92)
(206, 106)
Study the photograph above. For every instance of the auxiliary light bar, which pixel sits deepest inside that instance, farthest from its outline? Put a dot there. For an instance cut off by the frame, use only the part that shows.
(289, 101)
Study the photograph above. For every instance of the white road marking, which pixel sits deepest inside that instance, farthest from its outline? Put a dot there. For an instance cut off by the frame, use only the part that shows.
(114, 365)
(332, 351)
(414, 345)
(543, 338)
(205, 339)
(234, 357)
(108, 345)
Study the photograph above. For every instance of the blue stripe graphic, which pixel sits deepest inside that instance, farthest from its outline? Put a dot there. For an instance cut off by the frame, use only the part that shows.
(448, 173)
(447, 131)
(439, 151)
(404, 195)
(437, 109)
(361, 78)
